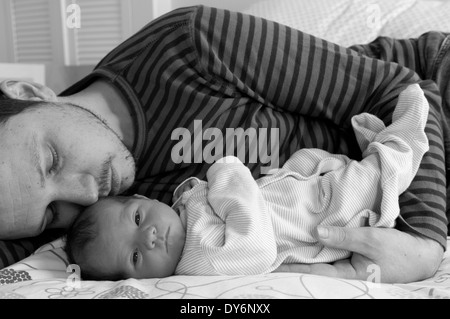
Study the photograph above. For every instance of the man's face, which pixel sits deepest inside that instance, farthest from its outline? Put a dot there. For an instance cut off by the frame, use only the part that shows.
(52, 156)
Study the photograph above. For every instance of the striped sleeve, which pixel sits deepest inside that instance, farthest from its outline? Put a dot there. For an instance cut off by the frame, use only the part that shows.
(295, 72)
(286, 69)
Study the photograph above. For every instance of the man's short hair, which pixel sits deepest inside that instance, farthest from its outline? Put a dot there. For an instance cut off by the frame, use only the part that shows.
(10, 107)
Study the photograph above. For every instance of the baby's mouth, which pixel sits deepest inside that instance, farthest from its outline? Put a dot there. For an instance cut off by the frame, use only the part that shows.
(166, 239)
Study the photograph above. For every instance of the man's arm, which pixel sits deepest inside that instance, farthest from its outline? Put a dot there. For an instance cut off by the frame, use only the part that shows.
(394, 254)
(288, 70)
(401, 257)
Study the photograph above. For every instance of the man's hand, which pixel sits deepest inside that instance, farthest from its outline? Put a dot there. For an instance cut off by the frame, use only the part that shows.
(401, 257)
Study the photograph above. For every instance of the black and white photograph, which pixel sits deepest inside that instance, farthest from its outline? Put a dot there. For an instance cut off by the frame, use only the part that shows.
(241, 151)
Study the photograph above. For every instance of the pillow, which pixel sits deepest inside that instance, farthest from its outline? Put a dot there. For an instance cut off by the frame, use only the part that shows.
(422, 16)
(349, 22)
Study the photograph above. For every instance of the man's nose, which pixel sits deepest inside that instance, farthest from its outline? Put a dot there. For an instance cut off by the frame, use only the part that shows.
(148, 237)
(80, 189)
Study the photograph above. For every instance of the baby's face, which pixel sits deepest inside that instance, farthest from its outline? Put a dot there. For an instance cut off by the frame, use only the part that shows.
(138, 237)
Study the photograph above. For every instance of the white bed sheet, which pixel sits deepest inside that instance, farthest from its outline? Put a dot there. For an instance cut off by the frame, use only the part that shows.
(348, 22)
(43, 276)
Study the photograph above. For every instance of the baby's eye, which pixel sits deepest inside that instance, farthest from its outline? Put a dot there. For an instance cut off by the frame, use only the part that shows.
(135, 257)
(137, 218)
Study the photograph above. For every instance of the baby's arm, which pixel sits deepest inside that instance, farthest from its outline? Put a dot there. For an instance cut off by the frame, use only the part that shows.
(396, 150)
(400, 146)
(248, 245)
(391, 157)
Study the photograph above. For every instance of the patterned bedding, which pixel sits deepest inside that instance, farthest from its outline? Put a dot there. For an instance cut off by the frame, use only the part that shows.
(46, 275)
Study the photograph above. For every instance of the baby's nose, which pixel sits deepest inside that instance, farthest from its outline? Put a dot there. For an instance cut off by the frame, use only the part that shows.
(149, 237)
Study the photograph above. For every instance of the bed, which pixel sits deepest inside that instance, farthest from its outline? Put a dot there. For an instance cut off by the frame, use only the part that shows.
(46, 274)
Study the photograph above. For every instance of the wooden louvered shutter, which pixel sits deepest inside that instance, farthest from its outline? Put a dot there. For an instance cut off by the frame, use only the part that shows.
(31, 31)
(36, 33)
(104, 25)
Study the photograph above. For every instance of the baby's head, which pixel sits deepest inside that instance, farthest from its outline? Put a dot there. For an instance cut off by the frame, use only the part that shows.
(126, 237)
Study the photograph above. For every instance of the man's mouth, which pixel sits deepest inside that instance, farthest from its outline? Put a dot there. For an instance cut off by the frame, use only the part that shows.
(109, 181)
(115, 182)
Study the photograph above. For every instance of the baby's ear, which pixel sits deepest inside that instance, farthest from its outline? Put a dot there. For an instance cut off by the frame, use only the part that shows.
(140, 196)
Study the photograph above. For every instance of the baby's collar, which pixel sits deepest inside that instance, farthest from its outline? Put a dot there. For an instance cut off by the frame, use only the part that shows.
(177, 197)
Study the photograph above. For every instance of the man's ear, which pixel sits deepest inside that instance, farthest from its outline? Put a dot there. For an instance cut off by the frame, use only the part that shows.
(26, 90)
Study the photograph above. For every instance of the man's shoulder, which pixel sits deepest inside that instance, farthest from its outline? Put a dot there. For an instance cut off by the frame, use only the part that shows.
(152, 38)
(196, 18)
(173, 19)
(193, 16)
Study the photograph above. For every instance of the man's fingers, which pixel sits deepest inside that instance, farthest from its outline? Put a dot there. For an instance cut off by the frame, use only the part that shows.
(358, 240)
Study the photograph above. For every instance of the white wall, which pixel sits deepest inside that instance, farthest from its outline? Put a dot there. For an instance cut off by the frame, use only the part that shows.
(5, 37)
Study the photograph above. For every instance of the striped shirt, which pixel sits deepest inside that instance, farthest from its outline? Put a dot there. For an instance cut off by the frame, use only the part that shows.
(231, 70)
(238, 226)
